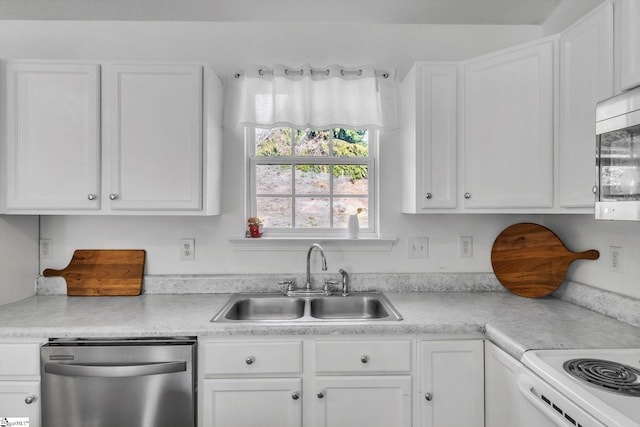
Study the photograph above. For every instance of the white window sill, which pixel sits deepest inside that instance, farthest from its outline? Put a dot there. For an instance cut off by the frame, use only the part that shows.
(303, 243)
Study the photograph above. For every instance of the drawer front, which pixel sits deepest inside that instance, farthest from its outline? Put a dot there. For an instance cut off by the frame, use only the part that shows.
(252, 357)
(19, 360)
(363, 356)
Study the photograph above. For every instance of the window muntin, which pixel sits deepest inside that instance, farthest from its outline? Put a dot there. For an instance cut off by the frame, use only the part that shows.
(306, 181)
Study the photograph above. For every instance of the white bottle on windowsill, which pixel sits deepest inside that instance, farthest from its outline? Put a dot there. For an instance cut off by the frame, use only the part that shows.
(353, 227)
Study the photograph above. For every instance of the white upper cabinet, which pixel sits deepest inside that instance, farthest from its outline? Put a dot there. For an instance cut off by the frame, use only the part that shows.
(586, 77)
(154, 137)
(131, 138)
(53, 136)
(429, 94)
(507, 129)
(627, 34)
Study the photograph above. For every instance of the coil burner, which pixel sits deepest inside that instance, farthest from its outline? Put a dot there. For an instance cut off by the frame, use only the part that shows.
(606, 375)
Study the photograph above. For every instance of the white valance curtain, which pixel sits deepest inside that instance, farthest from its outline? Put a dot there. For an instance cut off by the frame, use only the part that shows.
(306, 97)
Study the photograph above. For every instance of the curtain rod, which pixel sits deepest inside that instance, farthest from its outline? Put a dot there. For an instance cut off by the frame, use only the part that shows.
(325, 71)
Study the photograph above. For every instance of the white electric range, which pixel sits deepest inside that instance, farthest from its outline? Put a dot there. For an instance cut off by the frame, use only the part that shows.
(584, 388)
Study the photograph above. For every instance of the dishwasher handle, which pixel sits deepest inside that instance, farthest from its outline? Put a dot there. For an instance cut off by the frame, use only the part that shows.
(114, 370)
(527, 389)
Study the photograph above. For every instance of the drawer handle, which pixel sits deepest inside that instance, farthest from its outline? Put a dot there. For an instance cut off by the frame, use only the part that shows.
(29, 400)
(428, 397)
(320, 395)
(249, 360)
(295, 395)
(364, 359)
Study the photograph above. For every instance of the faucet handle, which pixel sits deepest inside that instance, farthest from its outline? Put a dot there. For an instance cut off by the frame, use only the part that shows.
(328, 284)
(288, 285)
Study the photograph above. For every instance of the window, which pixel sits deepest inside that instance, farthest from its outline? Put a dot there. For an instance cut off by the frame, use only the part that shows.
(308, 182)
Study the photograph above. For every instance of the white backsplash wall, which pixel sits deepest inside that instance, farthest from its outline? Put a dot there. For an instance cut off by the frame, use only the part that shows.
(582, 232)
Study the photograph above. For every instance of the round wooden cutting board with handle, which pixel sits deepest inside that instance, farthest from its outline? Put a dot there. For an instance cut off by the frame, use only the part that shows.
(531, 261)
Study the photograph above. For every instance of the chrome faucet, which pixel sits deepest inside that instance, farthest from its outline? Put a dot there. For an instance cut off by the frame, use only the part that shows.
(307, 287)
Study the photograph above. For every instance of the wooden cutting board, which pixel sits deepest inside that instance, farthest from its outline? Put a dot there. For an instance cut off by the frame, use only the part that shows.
(105, 272)
(531, 261)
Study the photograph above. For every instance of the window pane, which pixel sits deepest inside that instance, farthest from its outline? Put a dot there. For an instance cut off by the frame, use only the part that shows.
(350, 143)
(310, 142)
(345, 206)
(312, 212)
(273, 142)
(351, 179)
(275, 212)
(273, 179)
(312, 179)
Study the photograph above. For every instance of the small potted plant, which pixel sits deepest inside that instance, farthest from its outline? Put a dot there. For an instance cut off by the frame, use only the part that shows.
(255, 226)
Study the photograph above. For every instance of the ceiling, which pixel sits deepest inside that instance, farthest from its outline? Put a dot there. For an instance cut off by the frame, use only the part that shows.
(501, 12)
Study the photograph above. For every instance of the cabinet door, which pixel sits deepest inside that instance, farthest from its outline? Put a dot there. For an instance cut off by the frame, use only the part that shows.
(264, 402)
(155, 137)
(586, 77)
(627, 43)
(53, 136)
(19, 400)
(451, 384)
(430, 90)
(507, 129)
(372, 401)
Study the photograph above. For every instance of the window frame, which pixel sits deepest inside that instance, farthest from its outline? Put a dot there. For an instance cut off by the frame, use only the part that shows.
(372, 229)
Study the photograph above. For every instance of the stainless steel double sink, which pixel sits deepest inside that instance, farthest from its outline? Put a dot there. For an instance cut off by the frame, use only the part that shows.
(361, 306)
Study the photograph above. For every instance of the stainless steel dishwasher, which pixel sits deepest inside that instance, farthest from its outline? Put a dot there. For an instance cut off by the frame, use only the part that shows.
(118, 382)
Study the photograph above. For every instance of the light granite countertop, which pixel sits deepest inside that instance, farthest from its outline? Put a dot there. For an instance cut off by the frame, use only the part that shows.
(514, 323)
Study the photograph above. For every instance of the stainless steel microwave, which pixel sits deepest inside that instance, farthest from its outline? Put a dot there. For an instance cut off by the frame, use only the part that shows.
(618, 157)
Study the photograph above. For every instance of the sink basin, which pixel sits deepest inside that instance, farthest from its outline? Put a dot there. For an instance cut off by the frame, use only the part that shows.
(349, 307)
(265, 308)
(362, 306)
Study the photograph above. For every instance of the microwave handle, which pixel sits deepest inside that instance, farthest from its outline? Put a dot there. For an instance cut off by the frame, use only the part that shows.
(114, 370)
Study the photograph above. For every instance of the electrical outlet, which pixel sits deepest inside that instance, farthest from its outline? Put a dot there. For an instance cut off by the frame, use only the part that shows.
(615, 259)
(418, 247)
(466, 247)
(187, 249)
(46, 249)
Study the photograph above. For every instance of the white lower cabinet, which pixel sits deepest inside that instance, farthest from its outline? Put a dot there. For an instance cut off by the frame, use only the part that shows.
(451, 383)
(248, 383)
(19, 400)
(20, 381)
(264, 402)
(362, 382)
(366, 401)
(345, 381)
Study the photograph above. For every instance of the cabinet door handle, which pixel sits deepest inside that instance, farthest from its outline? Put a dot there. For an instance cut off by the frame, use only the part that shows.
(429, 195)
(428, 397)
(594, 189)
(295, 395)
(320, 395)
(467, 195)
(29, 400)
(364, 359)
(113, 196)
(249, 360)
(91, 196)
